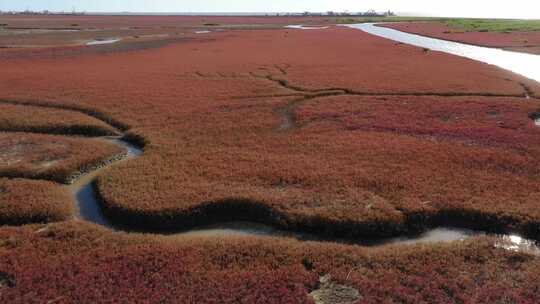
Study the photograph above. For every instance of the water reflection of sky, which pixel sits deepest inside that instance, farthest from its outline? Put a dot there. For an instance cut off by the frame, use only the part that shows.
(103, 41)
(527, 65)
(518, 244)
(303, 27)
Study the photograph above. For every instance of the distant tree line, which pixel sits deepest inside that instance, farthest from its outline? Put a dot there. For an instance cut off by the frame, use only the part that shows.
(44, 12)
(369, 13)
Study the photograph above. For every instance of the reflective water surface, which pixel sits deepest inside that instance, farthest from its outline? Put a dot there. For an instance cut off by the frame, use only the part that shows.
(89, 209)
(87, 205)
(103, 41)
(442, 234)
(518, 244)
(304, 27)
(527, 65)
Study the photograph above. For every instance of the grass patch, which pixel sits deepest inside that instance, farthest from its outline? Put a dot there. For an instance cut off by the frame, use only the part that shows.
(352, 20)
(493, 25)
(459, 24)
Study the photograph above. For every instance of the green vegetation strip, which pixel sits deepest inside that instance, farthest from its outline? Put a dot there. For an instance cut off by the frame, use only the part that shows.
(458, 24)
(493, 25)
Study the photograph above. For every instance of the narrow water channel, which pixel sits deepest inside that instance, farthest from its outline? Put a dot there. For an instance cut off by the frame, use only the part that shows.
(87, 205)
(304, 27)
(89, 209)
(527, 65)
(102, 41)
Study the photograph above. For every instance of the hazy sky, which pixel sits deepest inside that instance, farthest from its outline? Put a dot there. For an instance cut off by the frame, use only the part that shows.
(466, 8)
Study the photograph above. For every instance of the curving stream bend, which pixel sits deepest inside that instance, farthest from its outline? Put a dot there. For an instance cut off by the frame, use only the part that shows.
(521, 63)
(88, 209)
(88, 206)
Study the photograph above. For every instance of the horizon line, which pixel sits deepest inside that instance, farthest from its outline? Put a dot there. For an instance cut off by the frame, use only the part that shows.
(259, 14)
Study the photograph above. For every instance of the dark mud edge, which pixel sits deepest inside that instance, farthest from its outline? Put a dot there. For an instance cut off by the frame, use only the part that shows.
(238, 209)
(72, 107)
(42, 218)
(75, 130)
(93, 167)
(134, 139)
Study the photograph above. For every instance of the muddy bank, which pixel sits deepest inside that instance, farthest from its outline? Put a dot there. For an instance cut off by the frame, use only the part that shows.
(446, 225)
(97, 49)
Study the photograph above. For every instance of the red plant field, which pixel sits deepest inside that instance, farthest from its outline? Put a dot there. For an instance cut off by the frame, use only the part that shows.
(78, 263)
(135, 22)
(51, 157)
(214, 119)
(24, 118)
(24, 201)
(37, 32)
(330, 131)
(521, 41)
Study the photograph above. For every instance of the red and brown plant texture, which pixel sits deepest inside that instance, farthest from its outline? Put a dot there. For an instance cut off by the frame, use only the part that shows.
(52, 157)
(333, 131)
(217, 117)
(24, 118)
(75, 262)
(24, 201)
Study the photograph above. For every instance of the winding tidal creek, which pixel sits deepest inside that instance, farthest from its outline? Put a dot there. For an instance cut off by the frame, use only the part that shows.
(527, 65)
(89, 209)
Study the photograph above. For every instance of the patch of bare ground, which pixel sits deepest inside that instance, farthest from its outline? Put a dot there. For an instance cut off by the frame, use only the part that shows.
(330, 292)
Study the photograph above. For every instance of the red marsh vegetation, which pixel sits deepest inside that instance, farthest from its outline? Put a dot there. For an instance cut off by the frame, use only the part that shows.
(75, 262)
(25, 201)
(58, 158)
(521, 41)
(24, 118)
(220, 121)
(333, 131)
(46, 31)
(142, 22)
